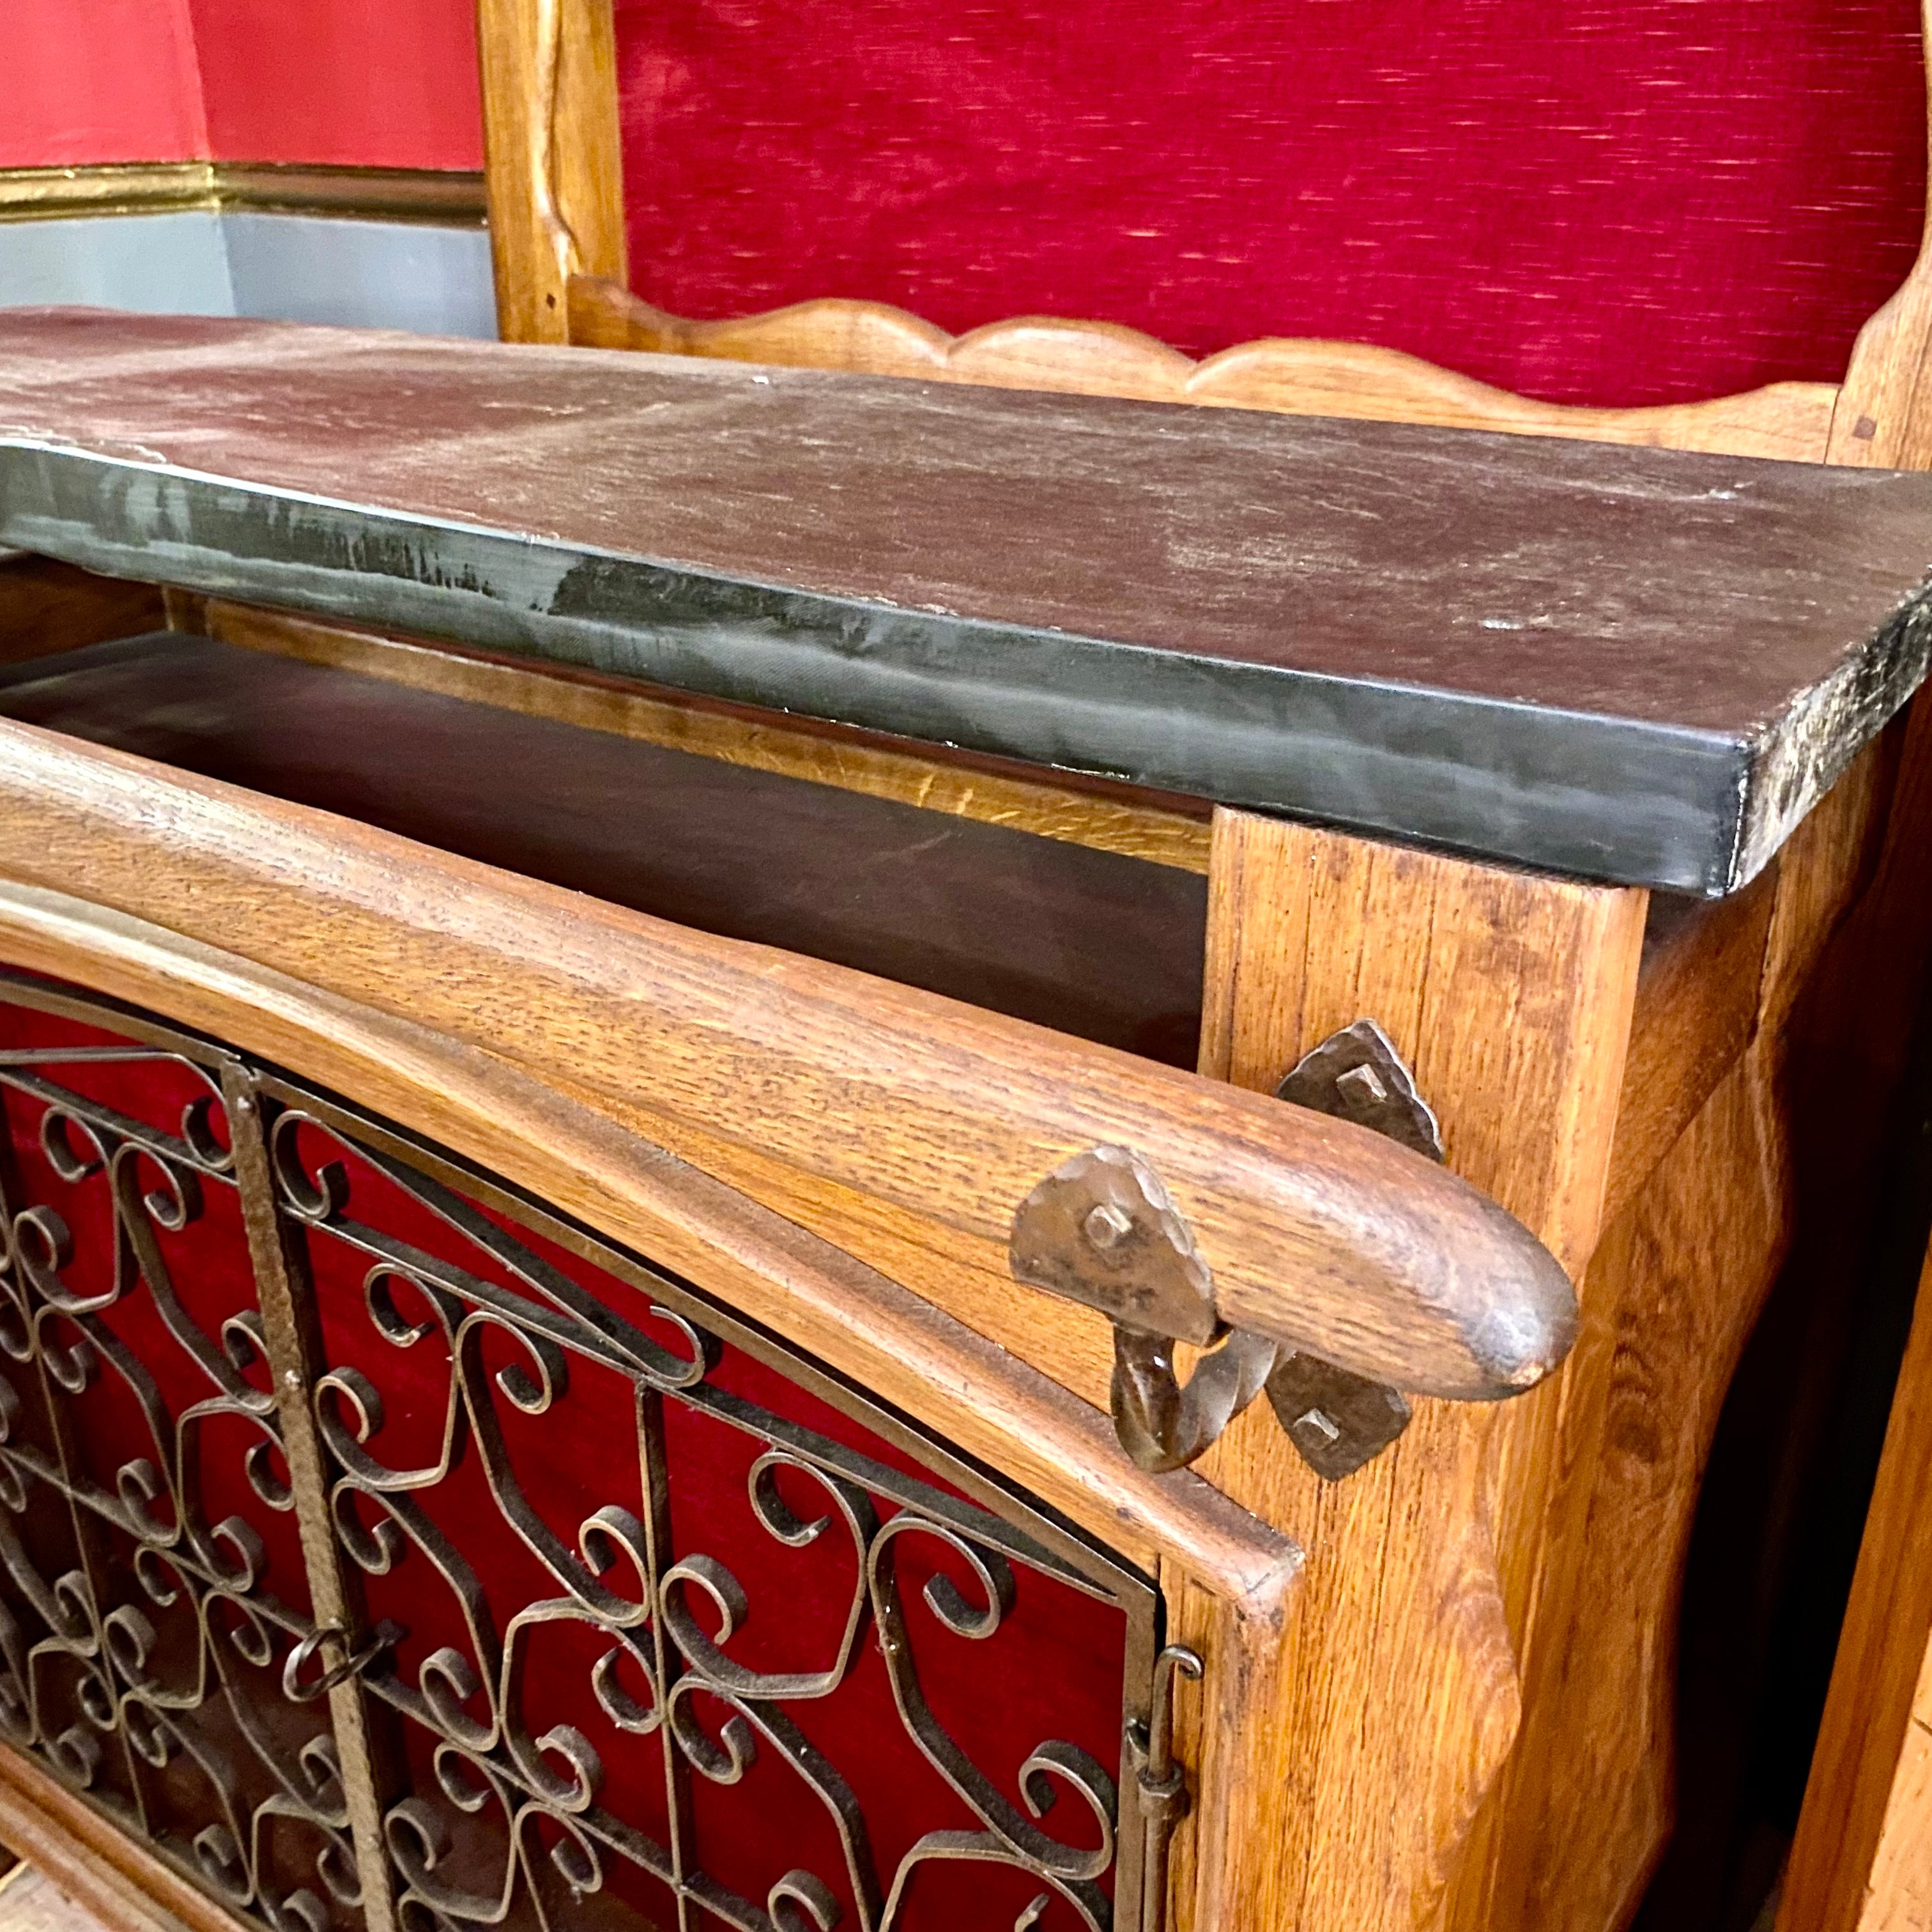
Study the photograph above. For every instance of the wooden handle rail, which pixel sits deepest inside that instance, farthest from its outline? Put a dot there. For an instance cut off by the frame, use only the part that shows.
(1318, 1234)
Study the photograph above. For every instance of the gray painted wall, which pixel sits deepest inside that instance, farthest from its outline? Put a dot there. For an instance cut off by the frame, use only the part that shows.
(172, 264)
(288, 268)
(370, 275)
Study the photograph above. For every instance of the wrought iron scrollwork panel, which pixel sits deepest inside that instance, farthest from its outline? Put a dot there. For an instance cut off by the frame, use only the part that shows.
(151, 1579)
(676, 1642)
(670, 1627)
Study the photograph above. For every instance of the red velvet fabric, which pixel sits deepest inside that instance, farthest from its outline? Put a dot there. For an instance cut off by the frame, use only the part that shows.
(1610, 201)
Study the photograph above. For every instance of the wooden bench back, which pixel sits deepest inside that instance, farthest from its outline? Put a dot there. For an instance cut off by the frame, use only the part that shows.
(1496, 193)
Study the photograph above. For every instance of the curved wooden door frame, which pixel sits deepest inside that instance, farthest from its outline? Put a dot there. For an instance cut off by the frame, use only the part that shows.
(555, 176)
(568, 1152)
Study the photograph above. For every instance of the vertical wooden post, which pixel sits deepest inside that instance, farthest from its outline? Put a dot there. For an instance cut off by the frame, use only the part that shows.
(1396, 1695)
(553, 159)
(1862, 1860)
(1475, 1702)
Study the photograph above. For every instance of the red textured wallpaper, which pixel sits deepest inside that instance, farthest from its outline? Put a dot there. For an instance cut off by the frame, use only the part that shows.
(366, 82)
(98, 80)
(377, 83)
(1608, 201)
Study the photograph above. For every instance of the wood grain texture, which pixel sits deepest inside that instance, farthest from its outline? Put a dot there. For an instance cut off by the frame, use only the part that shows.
(47, 606)
(1901, 1878)
(553, 163)
(1294, 377)
(1673, 1290)
(1089, 943)
(1346, 1244)
(1882, 416)
(1110, 818)
(966, 1278)
(583, 1158)
(1670, 1299)
(1861, 1861)
(1696, 1009)
(95, 1863)
(1398, 1692)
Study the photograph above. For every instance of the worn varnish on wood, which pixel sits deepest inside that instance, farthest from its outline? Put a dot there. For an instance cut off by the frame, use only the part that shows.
(1640, 666)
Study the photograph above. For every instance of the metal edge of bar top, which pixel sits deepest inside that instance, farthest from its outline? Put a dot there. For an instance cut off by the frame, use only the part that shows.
(1639, 666)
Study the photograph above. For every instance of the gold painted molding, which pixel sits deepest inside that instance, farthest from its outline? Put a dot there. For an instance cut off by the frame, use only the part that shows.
(448, 197)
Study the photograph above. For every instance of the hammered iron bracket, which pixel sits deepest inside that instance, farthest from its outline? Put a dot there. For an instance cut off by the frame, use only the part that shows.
(1101, 1229)
(1338, 1419)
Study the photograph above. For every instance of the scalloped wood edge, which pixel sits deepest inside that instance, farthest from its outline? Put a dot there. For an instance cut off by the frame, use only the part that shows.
(1292, 377)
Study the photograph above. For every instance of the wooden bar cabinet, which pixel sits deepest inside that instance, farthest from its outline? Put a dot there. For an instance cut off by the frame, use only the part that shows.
(788, 1149)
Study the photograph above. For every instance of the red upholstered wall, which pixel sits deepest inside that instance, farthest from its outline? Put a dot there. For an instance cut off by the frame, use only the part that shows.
(387, 83)
(1603, 201)
(369, 82)
(98, 80)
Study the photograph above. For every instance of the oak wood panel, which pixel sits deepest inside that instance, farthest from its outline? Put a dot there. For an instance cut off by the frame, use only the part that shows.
(1671, 1296)
(1294, 376)
(553, 158)
(1670, 1300)
(1696, 1009)
(47, 606)
(1344, 1242)
(1883, 413)
(1861, 1861)
(969, 1279)
(1512, 997)
(1901, 1878)
(1109, 817)
(94, 1862)
(583, 1158)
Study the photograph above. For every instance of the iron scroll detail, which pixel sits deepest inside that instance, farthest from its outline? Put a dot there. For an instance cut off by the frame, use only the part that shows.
(461, 1351)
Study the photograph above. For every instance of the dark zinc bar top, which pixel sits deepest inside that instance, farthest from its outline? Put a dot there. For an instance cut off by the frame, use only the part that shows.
(1629, 664)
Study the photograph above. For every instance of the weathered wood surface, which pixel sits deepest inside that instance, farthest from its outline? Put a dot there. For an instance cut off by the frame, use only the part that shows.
(1627, 664)
(1512, 998)
(1324, 1234)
